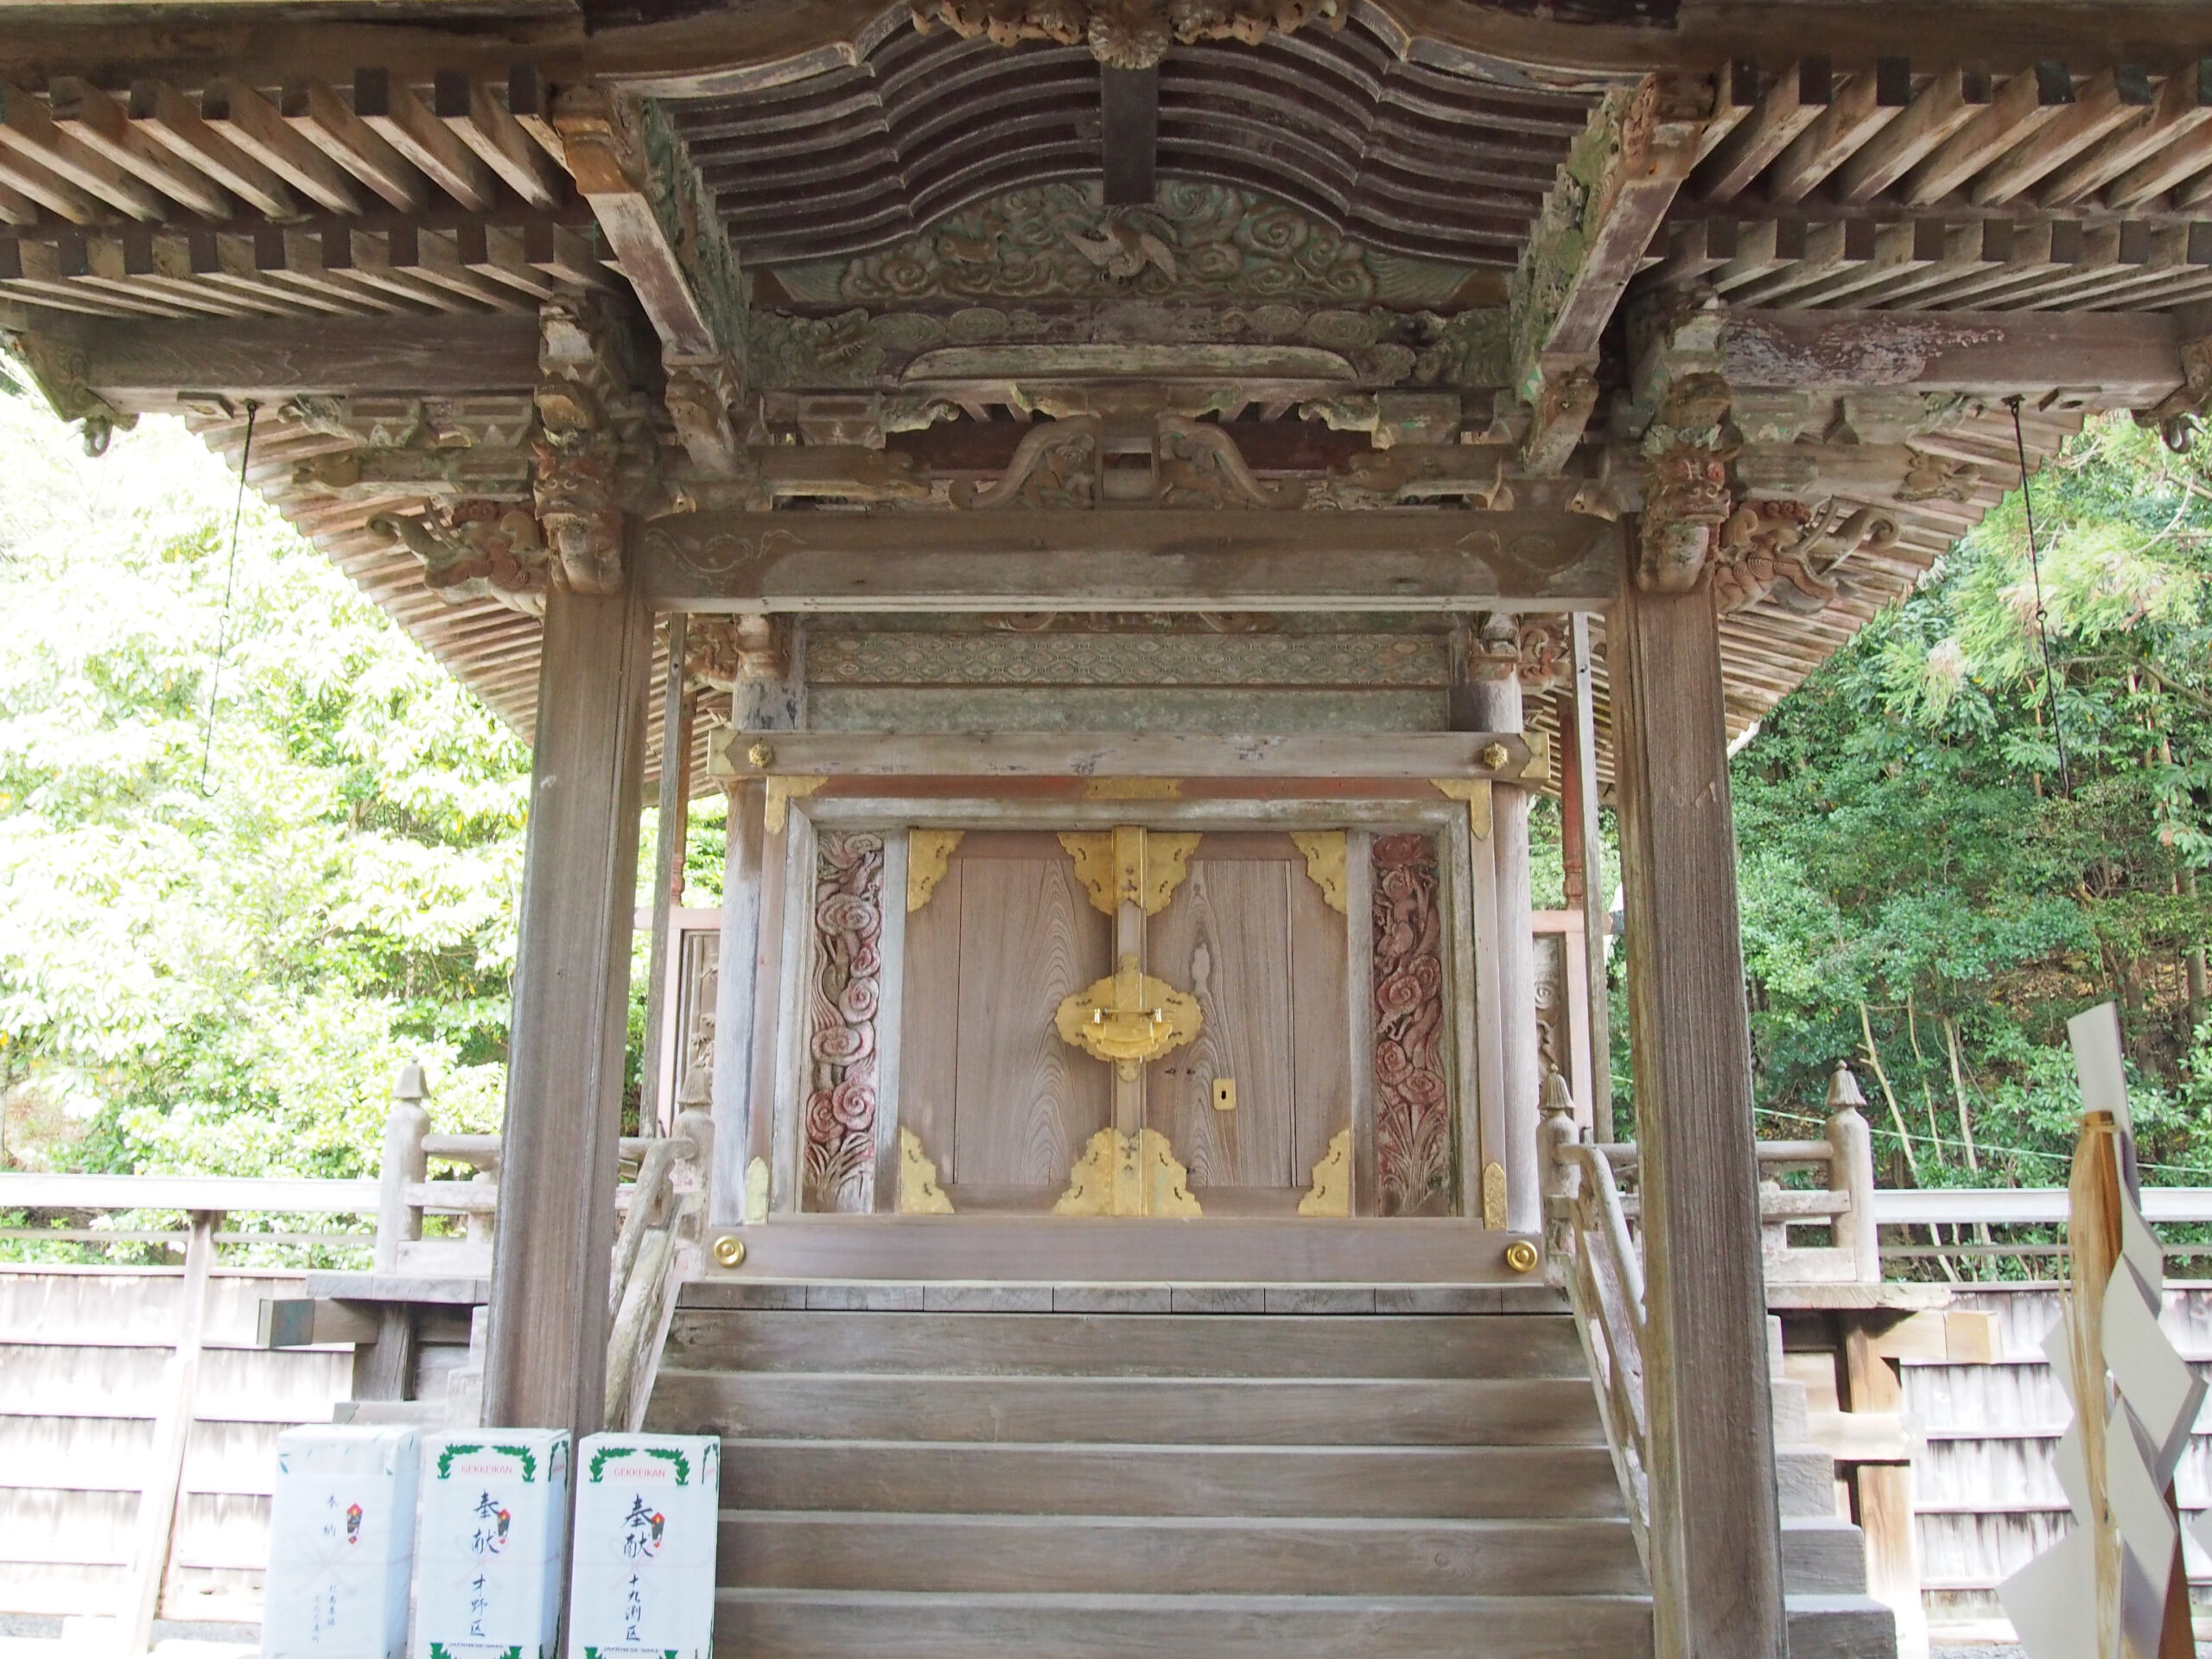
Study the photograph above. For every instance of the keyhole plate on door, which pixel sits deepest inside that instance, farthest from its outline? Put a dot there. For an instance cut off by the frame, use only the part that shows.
(1224, 1093)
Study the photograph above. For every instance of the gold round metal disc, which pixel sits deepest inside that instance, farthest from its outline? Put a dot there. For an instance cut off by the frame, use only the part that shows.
(761, 755)
(1521, 1256)
(729, 1250)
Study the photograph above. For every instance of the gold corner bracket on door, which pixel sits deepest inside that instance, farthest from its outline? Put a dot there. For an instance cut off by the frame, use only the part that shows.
(1331, 1191)
(919, 1191)
(1130, 865)
(1326, 852)
(1129, 1017)
(929, 856)
(1128, 1175)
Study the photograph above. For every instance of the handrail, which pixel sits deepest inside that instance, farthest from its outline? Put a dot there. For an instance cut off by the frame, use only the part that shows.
(1594, 1259)
(244, 1194)
(2021, 1205)
(658, 1250)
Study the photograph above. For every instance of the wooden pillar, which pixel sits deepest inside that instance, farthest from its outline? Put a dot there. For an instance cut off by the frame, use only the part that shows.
(1486, 697)
(1716, 1568)
(1882, 1493)
(737, 968)
(546, 1360)
(668, 877)
(1583, 844)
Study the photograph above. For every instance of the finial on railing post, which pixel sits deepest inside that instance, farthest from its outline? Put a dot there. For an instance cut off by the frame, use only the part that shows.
(1556, 1130)
(1852, 1167)
(397, 1222)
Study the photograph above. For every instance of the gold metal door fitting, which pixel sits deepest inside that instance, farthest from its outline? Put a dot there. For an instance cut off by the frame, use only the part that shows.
(1129, 1017)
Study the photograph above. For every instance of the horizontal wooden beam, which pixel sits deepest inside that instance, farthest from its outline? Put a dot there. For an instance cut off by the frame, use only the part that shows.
(1419, 755)
(1044, 1250)
(2129, 359)
(143, 365)
(1108, 560)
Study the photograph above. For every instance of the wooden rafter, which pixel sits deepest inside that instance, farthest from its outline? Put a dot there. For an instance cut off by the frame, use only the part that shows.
(1616, 184)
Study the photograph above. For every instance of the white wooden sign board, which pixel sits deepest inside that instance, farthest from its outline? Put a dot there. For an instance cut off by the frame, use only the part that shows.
(495, 1506)
(341, 1542)
(646, 1511)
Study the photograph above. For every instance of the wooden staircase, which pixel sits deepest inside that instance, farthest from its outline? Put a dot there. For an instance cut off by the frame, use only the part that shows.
(916, 1472)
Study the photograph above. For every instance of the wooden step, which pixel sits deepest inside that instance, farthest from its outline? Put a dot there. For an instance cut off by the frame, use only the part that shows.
(1164, 1344)
(1841, 1627)
(1804, 1481)
(803, 1550)
(1250, 1411)
(971, 1478)
(1822, 1555)
(784, 1624)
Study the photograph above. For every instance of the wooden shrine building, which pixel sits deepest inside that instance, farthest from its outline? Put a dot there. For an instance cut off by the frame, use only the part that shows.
(1134, 500)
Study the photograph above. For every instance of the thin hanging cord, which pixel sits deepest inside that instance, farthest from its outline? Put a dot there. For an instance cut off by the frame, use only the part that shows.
(2043, 630)
(230, 585)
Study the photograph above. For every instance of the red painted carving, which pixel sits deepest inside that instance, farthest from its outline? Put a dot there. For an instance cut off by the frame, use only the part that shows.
(844, 993)
(1413, 1106)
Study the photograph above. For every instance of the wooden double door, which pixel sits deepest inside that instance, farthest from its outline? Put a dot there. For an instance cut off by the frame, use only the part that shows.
(1230, 949)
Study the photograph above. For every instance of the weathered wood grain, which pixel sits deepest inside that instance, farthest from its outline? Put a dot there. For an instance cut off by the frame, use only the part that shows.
(1122, 754)
(1230, 918)
(1716, 1565)
(832, 1626)
(546, 1360)
(929, 1033)
(1320, 1037)
(1331, 1480)
(1164, 559)
(1023, 1102)
(2134, 360)
(1047, 1344)
(1175, 1556)
(143, 365)
(1242, 1411)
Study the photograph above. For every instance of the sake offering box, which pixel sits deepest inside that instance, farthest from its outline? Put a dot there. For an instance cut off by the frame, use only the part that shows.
(494, 1515)
(341, 1542)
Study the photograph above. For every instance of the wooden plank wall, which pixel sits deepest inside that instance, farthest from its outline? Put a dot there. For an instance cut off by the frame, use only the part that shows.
(84, 1353)
(1985, 1492)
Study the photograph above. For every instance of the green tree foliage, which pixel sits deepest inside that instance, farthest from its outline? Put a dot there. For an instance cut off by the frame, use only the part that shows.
(214, 955)
(1929, 890)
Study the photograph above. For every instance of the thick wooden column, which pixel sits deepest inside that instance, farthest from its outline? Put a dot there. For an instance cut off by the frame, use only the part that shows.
(1716, 1569)
(546, 1360)
(1486, 697)
(737, 977)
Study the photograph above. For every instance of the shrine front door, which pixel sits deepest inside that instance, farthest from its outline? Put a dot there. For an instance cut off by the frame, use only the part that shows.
(1132, 1021)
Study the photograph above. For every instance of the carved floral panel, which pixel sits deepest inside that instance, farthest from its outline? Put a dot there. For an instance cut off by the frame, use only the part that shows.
(844, 993)
(1413, 1103)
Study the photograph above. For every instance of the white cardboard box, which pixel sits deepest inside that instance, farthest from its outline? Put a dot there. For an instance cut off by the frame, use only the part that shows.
(488, 1575)
(341, 1542)
(648, 1507)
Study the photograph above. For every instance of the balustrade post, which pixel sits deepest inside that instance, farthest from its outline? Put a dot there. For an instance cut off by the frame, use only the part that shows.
(398, 1222)
(1853, 1169)
(1561, 1179)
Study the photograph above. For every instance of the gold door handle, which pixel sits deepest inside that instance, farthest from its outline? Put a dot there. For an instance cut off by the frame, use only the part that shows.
(1129, 1017)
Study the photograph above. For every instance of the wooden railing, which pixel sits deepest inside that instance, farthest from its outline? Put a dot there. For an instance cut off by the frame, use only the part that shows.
(1595, 1260)
(1595, 1249)
(658, 1250)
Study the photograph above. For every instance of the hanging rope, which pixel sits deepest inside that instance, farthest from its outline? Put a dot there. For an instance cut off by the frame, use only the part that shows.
(2043, 630)
(230, 587)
